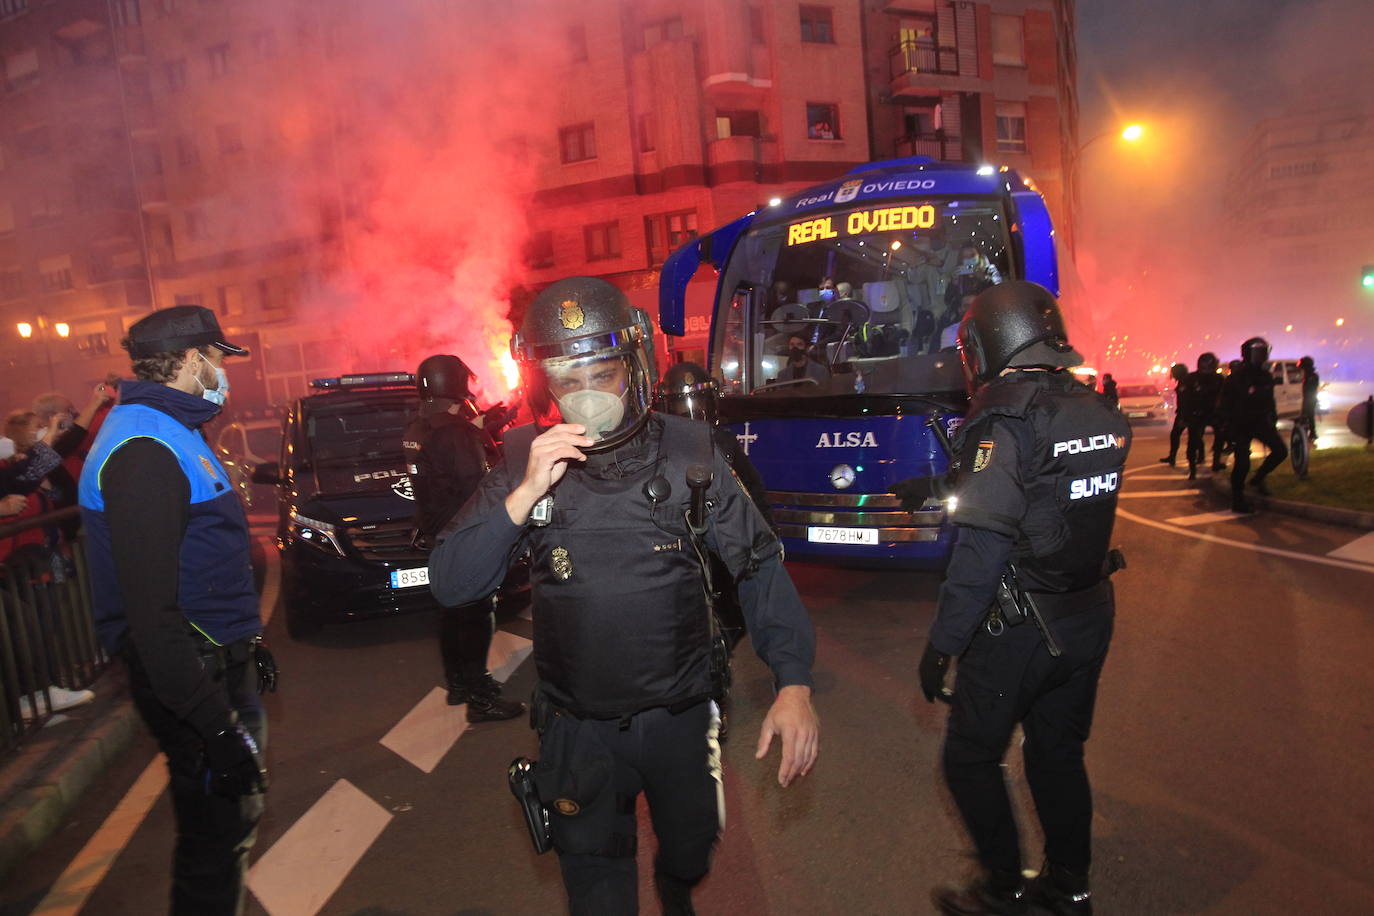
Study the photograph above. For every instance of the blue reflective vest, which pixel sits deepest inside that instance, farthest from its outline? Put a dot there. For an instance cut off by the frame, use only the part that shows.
(215, 591)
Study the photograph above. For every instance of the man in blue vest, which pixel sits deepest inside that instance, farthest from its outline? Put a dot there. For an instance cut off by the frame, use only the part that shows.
(172, 590)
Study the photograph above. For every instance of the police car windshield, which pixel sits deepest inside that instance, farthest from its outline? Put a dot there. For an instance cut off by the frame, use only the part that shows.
(874, 291)
(354, 431)
(1137, 391)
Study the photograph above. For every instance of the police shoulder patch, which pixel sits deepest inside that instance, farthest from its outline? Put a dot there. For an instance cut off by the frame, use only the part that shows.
(983, 457)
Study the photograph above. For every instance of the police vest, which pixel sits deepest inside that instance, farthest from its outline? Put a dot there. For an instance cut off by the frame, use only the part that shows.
(620, 618)
(431, 517)
(1072, 479)
(215, 591)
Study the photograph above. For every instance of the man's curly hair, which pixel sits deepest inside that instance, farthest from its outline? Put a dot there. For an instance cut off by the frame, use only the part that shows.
(160, 367)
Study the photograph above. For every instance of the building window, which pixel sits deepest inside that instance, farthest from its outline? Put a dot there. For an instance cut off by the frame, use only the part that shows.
(176, 75)
(230, 139)
(188, 154)
(666, 231)
(1011, 127)
(738, 124)
(35, 141)
(817, 24)
(647, 142)
(55, 274)
(21, 70)
(577, 43)
(92, 343)
(757, 34)
(11, 283)
(539, 251)
(603, 241)
(218, 56)
(578, 143)
(822, 121)
(127, 13)
(661, 30)
(264, 44)
(1295, 169)
(196, 228)
(229, 300)
(1008, 41)
(187, 299)
(10, 8)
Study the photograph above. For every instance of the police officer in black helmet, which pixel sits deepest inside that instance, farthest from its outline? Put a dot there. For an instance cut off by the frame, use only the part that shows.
(1040, 462)
(598, 491)
(448, 454)
(1250, 414)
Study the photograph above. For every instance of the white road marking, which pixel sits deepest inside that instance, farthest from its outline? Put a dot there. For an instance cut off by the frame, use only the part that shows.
(506, 654)
(303, 869)
(1204, 518)
(1231, 542)
(1178, 476)
(1158, 494)
(71, 890)
(1361, 550)
(427, 732)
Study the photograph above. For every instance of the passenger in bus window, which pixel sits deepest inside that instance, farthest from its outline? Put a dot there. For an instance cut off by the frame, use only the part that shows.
(800, 362)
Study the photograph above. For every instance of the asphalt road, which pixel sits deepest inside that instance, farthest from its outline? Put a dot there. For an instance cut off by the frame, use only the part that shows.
(1229, 760)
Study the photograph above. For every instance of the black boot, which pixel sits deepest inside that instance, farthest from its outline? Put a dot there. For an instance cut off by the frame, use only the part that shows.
(1257, 483)
(989, 895)
(674, 894)
(1171, 461)
(1192, 471)
(1061, 892)
(483, 698)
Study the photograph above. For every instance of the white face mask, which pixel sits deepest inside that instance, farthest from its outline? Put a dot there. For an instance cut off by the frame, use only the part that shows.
(219, 394)
(6, 448)
(599, 411)
(40, 435)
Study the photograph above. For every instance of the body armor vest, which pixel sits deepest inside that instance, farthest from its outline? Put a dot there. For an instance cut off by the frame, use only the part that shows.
(1072, 477)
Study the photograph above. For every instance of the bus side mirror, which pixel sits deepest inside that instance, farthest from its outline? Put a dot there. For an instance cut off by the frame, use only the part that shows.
(269, 472)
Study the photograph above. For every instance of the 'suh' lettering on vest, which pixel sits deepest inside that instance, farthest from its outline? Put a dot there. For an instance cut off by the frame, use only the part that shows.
(1090, 444)
(1087, 487)
(847, 440)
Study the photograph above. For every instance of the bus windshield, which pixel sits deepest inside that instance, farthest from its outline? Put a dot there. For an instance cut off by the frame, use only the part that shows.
(859, 299)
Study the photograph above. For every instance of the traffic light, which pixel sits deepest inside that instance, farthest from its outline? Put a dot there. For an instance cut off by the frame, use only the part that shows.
(1367, 276)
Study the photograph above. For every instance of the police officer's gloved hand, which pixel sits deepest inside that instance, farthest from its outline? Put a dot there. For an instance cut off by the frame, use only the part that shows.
(265, 667)
(233, 765)
(934, 665)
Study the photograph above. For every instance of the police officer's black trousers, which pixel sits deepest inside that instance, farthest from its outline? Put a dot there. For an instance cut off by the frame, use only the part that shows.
(1240, 468)
(464, 640)
(1010, 679)
(1176, 434)
(676, 764)
(214, 832)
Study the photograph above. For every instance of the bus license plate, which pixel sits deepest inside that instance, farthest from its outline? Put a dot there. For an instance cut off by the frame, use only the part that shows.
(826, 535)
(406, 578)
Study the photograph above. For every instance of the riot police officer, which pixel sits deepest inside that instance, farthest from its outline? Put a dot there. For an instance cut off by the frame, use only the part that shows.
(1041, 458)
(617, 506)
(1311, 385)
(1179, 373)
(1199, 410)
(1250, 413)
(448, 454)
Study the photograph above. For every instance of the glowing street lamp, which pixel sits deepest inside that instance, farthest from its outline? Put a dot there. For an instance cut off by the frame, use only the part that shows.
(25, 329)
(63, 329)
(42, 330)
(1132, 133)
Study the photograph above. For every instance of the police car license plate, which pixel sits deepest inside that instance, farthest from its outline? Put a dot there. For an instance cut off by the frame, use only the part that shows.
(818, 534)
(405, 578)
(1137, 414)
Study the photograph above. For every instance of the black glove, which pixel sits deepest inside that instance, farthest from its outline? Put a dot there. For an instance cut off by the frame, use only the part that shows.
(233, 766)
(934, 664)
(266, 667)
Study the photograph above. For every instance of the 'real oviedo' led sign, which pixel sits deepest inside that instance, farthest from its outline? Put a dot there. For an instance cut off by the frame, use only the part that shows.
(862, 222)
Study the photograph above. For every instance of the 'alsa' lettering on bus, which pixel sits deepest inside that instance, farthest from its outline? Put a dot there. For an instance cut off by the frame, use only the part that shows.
(1087, 487)
(847, 440)
(863, 222)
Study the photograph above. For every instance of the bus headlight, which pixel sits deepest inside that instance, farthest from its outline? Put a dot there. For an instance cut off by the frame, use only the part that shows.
(951, 504)
(318, 534)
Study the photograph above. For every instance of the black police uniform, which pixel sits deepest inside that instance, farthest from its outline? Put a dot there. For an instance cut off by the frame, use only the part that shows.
(1250, 414)
(448, 457)
(1311, 384)
(621, 644)
(1041, 458)
(1198, 400)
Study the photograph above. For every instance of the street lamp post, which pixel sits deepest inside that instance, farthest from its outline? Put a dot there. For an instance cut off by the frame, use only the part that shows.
(43, 329)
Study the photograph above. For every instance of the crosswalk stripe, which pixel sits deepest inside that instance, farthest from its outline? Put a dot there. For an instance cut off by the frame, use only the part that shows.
(1360, 550)
(426, 733)
(507, 652)
(1178, 476)
(1204, 518)
(303, 869)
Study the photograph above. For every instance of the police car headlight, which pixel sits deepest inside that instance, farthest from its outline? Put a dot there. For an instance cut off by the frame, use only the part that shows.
(951, 504)
(1323, 400)
(316, 533)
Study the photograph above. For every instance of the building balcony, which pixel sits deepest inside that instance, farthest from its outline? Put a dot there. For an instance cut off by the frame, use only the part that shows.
(732, 149)
(911, 64)
(936, 146)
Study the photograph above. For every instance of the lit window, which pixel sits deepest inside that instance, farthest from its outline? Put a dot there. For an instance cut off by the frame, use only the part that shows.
(1011, 127)
(1008, 41)
(664, 232)
(822, 121)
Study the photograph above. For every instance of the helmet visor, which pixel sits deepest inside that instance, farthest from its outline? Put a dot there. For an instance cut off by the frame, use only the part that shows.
(606, 391)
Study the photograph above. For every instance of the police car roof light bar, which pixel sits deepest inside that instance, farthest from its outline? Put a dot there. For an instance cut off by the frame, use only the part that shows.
(372, 380)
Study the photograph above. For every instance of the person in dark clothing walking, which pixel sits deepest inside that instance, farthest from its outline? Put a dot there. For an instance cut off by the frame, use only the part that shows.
(1248, 410)
(1179, 373)
(618, 507)
(1311, 384)
(173, 593)
(448, 455)
(1040, 464)
(1198, 404)
(1109, 390)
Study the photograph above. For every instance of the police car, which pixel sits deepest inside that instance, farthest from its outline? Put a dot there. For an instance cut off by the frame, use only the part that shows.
(346, 508)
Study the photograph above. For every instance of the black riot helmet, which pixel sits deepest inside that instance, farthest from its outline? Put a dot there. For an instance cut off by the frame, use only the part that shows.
(586, 356)
(445, 377)
(689, 391)
(1178, 372)
(1255, 351)
(1017, 323)
(1208, 363)
(1306, 364)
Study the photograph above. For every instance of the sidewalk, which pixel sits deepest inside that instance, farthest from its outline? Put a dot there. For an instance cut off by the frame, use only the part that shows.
(1220, 487)
(42, 782)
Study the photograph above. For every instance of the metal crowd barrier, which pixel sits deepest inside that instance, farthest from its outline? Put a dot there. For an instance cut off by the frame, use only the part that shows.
(47, 636)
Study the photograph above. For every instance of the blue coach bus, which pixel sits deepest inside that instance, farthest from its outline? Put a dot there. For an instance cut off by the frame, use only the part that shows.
(832, 339)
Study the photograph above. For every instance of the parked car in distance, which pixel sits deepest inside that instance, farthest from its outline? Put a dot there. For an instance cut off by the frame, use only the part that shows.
(1145, 402)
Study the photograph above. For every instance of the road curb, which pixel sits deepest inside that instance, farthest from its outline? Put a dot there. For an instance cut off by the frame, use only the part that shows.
(51, 779)
(1331, 515)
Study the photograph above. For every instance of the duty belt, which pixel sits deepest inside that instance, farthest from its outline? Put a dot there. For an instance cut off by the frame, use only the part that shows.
(1058, 605)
